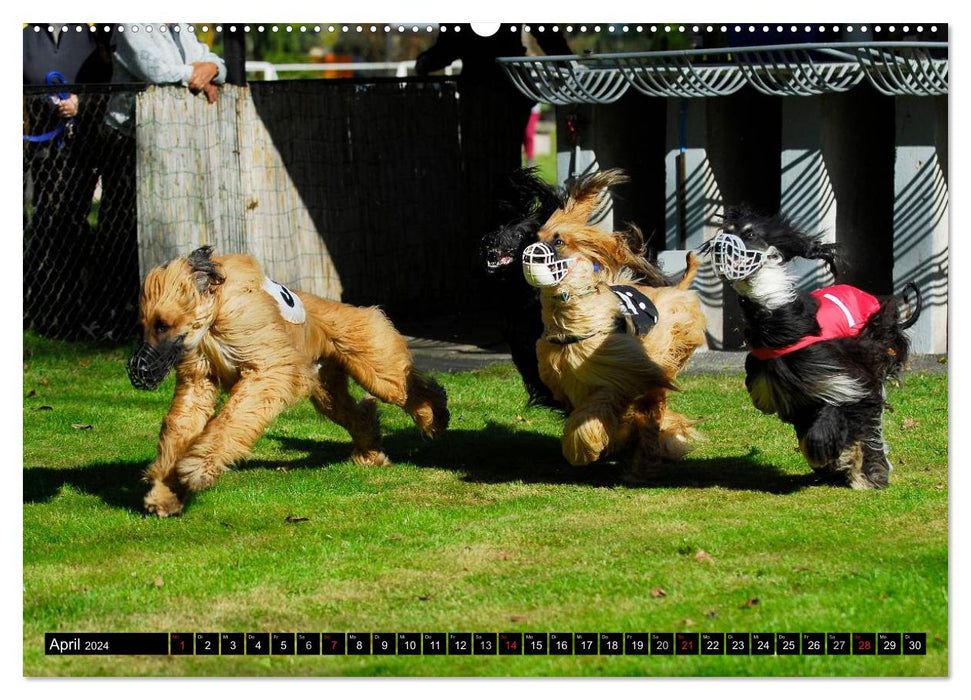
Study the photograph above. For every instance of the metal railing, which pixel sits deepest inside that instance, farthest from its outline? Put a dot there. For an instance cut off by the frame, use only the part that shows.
(893, 68)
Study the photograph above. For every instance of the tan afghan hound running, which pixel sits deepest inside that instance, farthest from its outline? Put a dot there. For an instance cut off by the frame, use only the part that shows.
(615, 335)
(222, 324)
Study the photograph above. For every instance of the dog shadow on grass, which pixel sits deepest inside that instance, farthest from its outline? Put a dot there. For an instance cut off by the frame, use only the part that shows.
(118, 484)
(499, 454)
(492, 455)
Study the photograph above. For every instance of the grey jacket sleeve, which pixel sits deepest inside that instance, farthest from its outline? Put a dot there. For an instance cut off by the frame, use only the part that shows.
(154, 56)
(196, 52)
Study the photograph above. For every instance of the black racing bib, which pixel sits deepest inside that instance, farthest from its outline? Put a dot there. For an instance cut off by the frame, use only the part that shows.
(638, 311)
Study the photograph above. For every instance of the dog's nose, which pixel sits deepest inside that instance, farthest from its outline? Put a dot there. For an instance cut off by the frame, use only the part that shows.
(150, 364)
(542, 267)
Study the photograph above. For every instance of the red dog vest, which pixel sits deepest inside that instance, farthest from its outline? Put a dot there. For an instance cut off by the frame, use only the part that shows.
(843, 311)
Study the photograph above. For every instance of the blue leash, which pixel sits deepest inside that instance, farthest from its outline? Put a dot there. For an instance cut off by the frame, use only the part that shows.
(53, 78)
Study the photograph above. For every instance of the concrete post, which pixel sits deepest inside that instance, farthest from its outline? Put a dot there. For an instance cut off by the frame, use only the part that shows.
(807, 197)
(691, 197)
(920, 223)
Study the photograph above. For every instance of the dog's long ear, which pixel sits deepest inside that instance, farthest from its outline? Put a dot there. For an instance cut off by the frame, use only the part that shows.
(526, 193)
(780, 232)
(827, 252)
(204, 270)
(631, 251)
(793, 243)
(589, 197)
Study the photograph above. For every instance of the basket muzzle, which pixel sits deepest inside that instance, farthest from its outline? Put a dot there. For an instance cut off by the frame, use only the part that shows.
(731, 259)
(150, 364)
(542, 267)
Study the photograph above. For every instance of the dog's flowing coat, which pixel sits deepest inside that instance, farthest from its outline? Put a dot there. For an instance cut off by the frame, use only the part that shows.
(231, 336)
(525, 204)
(614, 384)
(830, 390)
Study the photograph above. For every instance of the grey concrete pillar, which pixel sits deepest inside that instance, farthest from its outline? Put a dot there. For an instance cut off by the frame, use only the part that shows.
(576, 148)
(806, 196)
(920, 214)
(690, 202)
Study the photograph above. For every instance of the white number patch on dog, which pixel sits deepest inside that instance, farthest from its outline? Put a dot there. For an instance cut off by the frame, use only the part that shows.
(291, 308)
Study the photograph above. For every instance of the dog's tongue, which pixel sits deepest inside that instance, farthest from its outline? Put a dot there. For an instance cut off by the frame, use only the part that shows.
(500, 261)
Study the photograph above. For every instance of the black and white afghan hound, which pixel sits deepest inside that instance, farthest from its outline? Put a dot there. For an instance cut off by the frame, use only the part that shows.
(821, 359)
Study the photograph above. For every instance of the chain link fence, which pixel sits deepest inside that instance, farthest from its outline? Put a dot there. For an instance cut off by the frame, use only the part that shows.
(80, 275)
(370, 192)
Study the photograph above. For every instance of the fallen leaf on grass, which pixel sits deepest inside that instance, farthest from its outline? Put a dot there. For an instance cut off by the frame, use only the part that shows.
(750, 603)
(296, 519)
(518, 618)
(801, 568)
(711, 614)
(910, 423)
(688, 622)
(702, 555)
(159, 582)
(82, 426)
(658, 592)
(44, 381)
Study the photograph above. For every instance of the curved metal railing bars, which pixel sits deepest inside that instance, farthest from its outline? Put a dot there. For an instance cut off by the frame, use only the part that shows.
(893, 68)
(566, 82)
(519, 74)
(603, 83)
(908, 69)
(678, 77)
(796, 73)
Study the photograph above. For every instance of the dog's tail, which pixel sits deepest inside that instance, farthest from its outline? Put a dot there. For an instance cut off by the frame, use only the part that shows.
(690, 272)
(918, 305)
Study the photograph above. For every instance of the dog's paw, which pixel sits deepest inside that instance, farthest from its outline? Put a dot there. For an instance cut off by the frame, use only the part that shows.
(438, 424)
(585, 439)
(578, 453)
(370, 458)
(196, 475)
(163, 501)
(871, 476)
(198, 479)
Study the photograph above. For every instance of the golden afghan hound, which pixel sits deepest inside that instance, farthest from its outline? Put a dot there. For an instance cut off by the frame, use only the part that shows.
(222, 324)
(615, 335)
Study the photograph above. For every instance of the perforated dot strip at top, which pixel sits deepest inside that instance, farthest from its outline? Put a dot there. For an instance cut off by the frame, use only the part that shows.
(751, 30)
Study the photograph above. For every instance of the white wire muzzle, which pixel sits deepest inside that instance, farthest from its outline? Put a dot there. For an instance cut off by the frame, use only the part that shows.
(731, 259)
(542, 267)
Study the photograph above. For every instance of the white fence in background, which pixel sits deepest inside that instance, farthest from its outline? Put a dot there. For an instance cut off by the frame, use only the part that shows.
(272, 71)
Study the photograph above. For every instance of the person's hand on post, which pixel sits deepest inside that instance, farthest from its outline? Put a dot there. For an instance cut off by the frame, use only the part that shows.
(212, 92)
(202, 75)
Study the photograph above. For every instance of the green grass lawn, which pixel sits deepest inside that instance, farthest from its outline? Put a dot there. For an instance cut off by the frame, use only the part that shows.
(486, 529)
